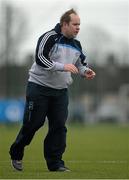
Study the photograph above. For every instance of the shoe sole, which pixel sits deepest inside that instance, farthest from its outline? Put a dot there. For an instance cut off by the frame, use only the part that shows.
(17, 169)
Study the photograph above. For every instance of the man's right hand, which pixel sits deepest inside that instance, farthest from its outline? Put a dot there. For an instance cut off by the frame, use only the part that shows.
(70, 68)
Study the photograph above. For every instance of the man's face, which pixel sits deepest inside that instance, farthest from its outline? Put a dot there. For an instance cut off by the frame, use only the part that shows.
(72, 29)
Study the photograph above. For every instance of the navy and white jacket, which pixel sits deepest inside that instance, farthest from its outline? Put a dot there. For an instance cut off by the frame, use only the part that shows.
(52, 52)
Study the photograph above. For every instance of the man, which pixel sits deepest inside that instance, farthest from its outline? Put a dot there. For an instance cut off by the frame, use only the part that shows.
(58, 54)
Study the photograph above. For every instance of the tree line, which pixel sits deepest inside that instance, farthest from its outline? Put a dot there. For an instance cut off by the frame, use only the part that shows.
(109, 79)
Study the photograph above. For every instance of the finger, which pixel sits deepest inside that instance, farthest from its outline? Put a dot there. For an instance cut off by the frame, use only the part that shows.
(73, 69)
(90, 71)
(90, 77)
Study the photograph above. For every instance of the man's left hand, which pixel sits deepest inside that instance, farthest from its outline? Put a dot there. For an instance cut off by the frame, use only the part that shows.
(90, 74)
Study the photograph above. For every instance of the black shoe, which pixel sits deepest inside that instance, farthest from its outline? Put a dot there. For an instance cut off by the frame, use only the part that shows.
(17, 164)
(62, 169)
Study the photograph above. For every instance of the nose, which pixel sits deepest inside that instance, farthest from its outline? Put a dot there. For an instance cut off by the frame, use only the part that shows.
(78, 28)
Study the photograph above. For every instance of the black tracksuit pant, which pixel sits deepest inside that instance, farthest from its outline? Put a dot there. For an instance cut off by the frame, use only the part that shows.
(42, 102)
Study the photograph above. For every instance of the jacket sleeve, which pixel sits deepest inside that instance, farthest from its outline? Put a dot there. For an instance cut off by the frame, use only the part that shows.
(82, 67)
(44, 45)
(82, 63)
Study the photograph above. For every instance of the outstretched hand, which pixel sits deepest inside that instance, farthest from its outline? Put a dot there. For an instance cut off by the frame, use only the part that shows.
(90, 74)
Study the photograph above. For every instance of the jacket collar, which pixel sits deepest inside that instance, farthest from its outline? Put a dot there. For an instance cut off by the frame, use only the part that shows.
(58, 31)
(58, 28)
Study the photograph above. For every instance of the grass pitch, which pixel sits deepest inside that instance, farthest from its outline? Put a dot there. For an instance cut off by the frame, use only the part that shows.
(93, 152)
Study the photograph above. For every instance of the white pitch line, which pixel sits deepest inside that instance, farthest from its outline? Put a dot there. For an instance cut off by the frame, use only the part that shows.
(81, 161)
(99, 161)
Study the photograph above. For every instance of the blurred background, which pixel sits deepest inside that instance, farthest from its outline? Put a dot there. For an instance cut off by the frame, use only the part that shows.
(104, 36)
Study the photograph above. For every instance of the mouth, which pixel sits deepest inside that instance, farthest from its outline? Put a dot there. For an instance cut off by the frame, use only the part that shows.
(76, 32)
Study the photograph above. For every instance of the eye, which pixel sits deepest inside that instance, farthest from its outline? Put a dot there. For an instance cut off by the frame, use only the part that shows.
(76, 24)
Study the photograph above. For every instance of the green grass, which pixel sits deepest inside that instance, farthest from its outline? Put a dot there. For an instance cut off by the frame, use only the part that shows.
(93, 152)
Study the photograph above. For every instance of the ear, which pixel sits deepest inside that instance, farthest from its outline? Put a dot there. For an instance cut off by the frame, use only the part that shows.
(65, 24)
